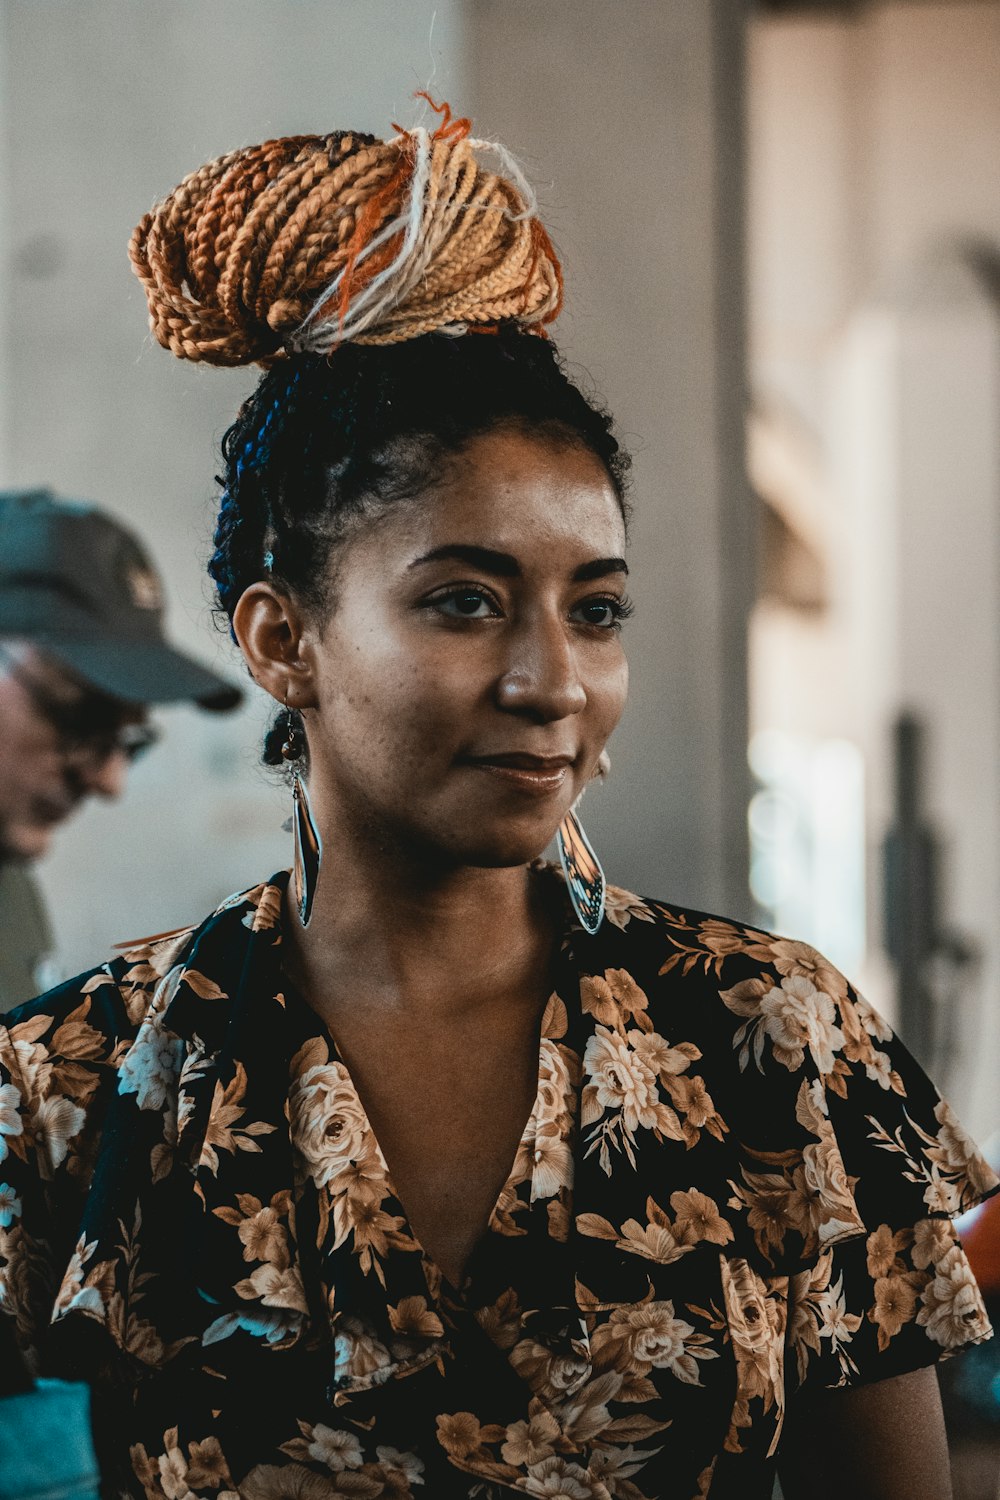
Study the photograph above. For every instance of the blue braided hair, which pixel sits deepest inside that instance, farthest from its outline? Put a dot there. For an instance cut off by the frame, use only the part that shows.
(322, 440)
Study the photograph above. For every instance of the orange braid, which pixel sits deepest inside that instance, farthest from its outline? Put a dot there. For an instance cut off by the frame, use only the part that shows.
(301, 243)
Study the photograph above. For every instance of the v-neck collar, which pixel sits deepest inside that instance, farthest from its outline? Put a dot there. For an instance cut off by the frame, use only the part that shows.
(533, 1200)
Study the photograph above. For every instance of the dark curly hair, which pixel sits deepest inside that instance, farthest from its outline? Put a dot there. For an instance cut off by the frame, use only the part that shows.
(326, 439)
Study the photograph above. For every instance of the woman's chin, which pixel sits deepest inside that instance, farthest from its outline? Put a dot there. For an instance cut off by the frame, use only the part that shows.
(503, 851)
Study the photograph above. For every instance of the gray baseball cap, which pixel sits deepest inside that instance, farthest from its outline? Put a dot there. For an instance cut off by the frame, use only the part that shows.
(77, 583)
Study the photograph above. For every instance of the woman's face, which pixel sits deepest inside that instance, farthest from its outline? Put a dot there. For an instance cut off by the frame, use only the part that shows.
(472, 667)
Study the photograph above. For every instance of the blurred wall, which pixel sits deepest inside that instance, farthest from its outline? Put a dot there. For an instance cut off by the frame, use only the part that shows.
(871, 138)
(628, 119)
(104, 106)
(633, 113)
(874, 316)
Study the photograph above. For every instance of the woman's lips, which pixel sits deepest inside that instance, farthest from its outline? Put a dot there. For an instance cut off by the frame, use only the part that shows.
(542, 775)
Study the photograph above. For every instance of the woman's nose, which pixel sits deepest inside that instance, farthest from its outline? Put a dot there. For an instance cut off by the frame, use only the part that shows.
(542, 678)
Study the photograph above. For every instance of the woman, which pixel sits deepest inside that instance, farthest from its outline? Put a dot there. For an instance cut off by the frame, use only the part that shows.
(434, 1167)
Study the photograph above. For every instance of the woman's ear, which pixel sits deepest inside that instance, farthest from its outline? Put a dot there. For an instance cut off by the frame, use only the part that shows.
(273, 637)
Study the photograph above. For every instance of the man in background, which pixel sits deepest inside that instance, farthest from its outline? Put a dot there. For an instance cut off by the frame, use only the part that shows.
(82, 657)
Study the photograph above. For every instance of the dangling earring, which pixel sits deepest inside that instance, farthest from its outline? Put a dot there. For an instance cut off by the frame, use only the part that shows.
(582, 868)
(307, 842)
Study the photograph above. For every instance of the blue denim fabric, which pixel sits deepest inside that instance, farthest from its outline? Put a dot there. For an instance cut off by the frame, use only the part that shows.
(46, 1449)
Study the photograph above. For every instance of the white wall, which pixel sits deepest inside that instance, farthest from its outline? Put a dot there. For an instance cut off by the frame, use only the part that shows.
(632, 112)
(628, 118)
(104, 106)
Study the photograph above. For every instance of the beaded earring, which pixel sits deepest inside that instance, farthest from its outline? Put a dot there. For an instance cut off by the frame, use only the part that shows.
(307, 842)
(584, 876)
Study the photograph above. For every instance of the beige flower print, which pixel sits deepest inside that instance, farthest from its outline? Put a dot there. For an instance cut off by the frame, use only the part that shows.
(803, 1321)
(55, 1123)
(952, 1308)
(151, 1066)
(647, 1336)
(862, 1027)
(176, 1476)
(662, 1239)
(459, 1434)
(337, 1449)
(531, 1441)
(794, 1016)
(544, 1155)
(622, 1074)
(698, 1218)
(894, 1305)
(71, 1290)
(339, 1453)
(224, 1132)
(31, 1064)
(955, 1152)
(932, 1239)
(817, 1312)
(614, 999)
(405, 1466)
(756, 1316)
(626, 1063)
(621, 1080)
(558, 1479)
(329, 1125)
(833, 1212)
(10, 1117)
(797, 1016)
(884, 1251)
(953, 1178)
(836, 1323)
(622, 907)
(552, 1376)
(294, 1482)
(358, 1354)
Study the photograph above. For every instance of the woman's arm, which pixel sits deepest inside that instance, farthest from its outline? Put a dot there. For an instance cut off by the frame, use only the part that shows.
(884, 1441)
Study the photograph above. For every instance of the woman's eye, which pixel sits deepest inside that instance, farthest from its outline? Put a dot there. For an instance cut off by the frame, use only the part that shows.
(466, 604)
(607, 613)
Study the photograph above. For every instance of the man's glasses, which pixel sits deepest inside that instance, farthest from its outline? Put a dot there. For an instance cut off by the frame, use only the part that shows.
(88, 725)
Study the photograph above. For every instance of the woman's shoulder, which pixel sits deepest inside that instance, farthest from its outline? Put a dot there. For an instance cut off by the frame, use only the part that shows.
(816, 1093)
(89, 1020)
(774, 1006)
(688, 943)
(93, 1017)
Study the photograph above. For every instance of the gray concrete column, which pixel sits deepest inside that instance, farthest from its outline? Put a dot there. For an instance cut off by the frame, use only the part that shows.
(628, 119)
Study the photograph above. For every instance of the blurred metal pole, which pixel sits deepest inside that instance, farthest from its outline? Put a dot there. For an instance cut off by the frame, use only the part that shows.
(910, 894)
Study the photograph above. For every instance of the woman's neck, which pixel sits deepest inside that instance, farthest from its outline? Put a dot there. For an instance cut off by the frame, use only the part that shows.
(438, 943)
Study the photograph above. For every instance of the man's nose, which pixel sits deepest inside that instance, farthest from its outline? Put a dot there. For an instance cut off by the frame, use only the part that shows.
(103, 774)
(542, 678)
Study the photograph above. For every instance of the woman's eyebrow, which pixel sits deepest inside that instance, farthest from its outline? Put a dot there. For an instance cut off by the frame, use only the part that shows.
(505, 565)
(600, 568)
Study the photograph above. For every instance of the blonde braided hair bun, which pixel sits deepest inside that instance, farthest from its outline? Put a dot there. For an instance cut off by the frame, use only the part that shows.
(301, 244)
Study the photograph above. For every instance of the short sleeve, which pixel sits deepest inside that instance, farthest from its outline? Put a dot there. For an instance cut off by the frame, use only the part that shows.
(55, 1067)
(850, 1169)
(895, 1292)
(26, 1275)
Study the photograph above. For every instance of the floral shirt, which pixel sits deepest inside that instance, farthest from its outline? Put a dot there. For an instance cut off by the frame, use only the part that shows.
(734, 1183)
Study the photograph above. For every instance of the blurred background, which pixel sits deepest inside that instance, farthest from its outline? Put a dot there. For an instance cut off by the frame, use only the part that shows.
(781, 230)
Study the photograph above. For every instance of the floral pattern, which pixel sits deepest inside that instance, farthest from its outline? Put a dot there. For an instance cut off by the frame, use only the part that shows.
(734, 1182)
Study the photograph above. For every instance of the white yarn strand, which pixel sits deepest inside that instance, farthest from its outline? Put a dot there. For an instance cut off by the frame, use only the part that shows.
(320, 337)
(319, 333)
(515, 172)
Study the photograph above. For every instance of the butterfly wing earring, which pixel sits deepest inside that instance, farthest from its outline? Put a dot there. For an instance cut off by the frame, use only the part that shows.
(584, 876)
(307, 842)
